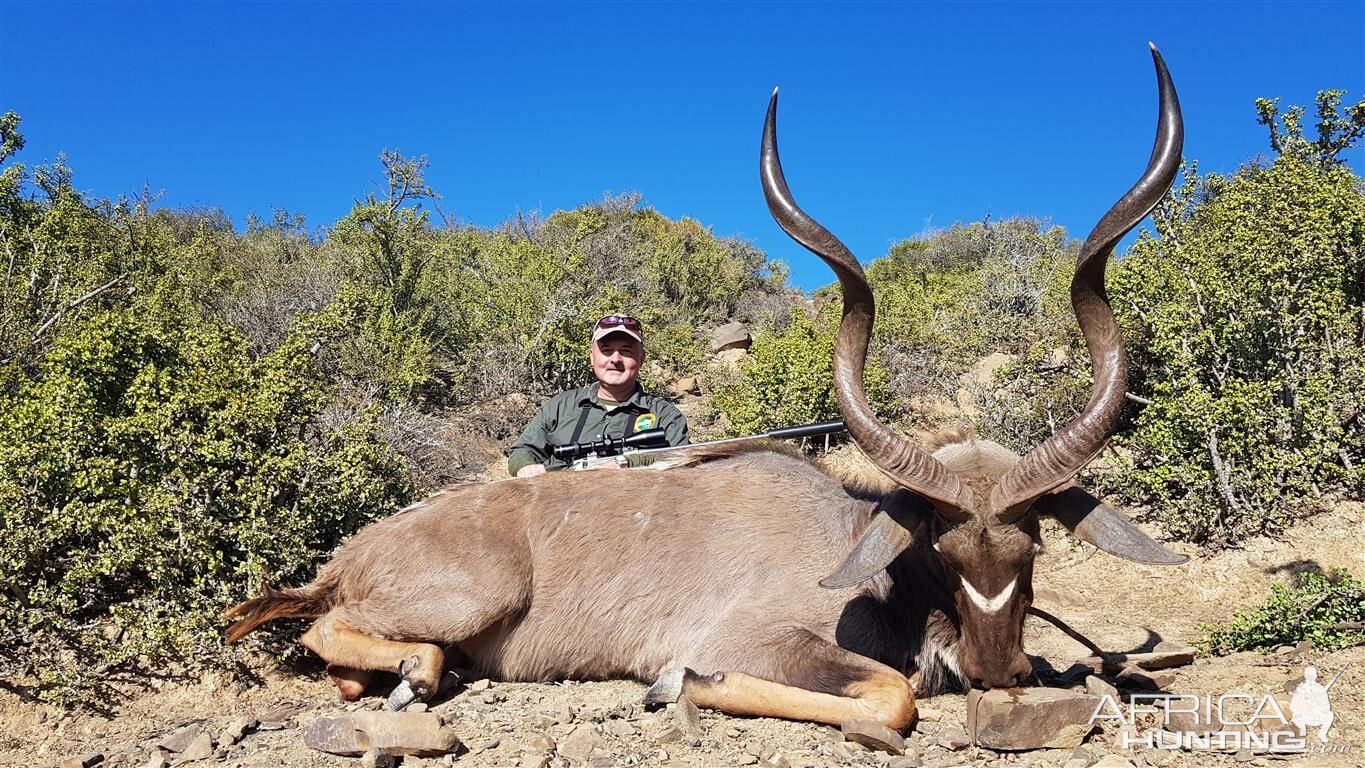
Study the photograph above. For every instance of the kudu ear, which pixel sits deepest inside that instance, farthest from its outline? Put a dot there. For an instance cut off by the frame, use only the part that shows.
(882, 541)
(1090, 520)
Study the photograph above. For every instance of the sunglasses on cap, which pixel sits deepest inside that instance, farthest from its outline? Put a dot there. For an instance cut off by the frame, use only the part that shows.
(619, 321)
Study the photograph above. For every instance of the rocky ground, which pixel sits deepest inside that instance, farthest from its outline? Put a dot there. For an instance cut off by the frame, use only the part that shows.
(219, 721)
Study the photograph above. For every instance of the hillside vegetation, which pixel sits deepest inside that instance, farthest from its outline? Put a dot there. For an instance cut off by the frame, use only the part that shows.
(187, 405)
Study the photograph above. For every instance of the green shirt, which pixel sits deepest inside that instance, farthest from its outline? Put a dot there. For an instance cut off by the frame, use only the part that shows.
(555, 423)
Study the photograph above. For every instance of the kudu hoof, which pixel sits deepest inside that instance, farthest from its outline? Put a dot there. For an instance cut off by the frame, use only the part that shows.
(406, 692)
(667, 689)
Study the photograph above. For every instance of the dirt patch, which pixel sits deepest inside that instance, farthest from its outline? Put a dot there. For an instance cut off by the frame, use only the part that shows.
(1123, 607)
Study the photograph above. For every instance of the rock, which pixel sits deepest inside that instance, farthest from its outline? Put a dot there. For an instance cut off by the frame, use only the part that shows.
(398, 733)
(671, 734)
(416, 706)
(1029, 718)
(1244, 756)
(773, 761)
(730, 336)
(688, 720)
(579, 745)
(533, 761)
(687, 385)
(487, 744)
(1080, 758)
(732, 356)
(1112, 761)
(376, 759)
(954, 738)
(1098, 688)
(1304, 646)
(157, 760)
(540, 742)
(619, 728)
(83, 761)
(1177, 656)
(1140, 678)
(481, 685)
(234, 731)
(179, 740)
(911, 761)
(873, 736)
(199, 749)
(746, 760)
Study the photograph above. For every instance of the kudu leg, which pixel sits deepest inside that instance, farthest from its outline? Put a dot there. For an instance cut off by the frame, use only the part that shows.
(825, 684)
(351, 654)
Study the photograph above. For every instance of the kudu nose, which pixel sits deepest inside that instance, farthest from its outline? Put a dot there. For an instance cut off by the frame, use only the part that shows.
(1015, 674)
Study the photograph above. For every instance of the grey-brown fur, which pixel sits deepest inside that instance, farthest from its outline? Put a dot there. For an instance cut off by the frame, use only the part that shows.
(627, 573)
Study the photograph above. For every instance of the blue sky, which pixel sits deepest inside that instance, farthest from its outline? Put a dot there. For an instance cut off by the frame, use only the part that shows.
(895, 118)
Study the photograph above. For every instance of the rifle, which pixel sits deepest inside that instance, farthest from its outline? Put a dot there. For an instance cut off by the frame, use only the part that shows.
(617, 451)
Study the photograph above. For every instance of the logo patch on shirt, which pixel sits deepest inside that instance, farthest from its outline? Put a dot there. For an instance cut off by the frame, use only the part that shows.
(646, 421)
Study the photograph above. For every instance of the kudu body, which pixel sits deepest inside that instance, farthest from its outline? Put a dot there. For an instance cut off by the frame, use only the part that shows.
(750, 581)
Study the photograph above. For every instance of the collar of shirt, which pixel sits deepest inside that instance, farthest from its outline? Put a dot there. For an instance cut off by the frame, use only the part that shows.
(589, 396)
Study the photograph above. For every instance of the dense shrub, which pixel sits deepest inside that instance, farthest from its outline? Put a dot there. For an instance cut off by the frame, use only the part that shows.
(787, 378)
(1326, 609)
(149, 473)
(1245, 315)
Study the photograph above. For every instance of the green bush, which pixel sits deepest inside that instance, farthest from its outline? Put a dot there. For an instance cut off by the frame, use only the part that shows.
(1245, 316)
(1319, 608)
(787, 378)
(149, 473)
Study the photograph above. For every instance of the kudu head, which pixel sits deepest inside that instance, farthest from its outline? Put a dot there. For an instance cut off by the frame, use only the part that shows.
(982, 501)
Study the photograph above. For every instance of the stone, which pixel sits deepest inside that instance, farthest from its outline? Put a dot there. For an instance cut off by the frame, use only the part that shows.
(671, 734)
(416, 706)
(83, 761)
(1304, 646)
(687, 385)
(199, 749)
(688, 719)
(377, 759)
(1244, 756)
(540, 742)
(399, 733)
(534, 761)
(157, 760)
(954, 738)
(1137, 677)
(579, 745)
(234, 731)
(1029, 718)
(1112, 761)
(730, 336)
(180, 739)
(732, 357)
(1097, 687)
(910, 761)
(619, 728)
(481, 685)
(487, 744)
(773, 761)
(1177, 656)
(874, 736)
(746, 760)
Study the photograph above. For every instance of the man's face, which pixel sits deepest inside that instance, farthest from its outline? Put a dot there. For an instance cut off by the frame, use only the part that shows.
(616, 359)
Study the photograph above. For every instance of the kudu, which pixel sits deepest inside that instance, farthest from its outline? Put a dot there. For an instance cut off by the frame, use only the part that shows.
(752, 582)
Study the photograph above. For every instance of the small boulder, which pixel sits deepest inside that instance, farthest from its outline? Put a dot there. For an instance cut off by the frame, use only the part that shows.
(1137, 677)
(83, 761)
(398, 733)
(874, 736)
(1029, 718)
(688, 719)
(1096, 686)
(687, 385)
(953, 738)
(199, 749)
(180, 739)
(579, 745)
(730, 336)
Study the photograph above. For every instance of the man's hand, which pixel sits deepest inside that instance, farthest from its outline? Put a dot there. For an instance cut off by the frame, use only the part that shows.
(531, 470)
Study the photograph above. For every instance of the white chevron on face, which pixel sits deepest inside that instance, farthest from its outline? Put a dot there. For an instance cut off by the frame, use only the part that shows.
(993, 604)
